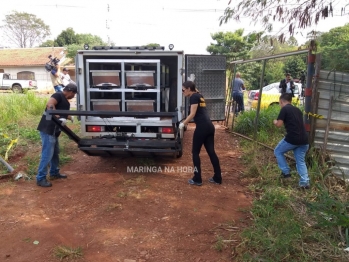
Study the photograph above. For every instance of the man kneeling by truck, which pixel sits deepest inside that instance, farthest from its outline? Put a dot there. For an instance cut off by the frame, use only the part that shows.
(49, 133)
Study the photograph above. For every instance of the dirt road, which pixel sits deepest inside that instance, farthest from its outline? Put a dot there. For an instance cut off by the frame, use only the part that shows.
(115, 214)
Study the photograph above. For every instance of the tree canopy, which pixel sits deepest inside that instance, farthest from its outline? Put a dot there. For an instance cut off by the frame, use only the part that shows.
(24, 30)
(294, 13)
(73, 41)
(334, 46)
(232, 44)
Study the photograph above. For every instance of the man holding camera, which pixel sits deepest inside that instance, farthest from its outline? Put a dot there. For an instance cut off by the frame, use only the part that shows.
(287, 85)
(56, 78)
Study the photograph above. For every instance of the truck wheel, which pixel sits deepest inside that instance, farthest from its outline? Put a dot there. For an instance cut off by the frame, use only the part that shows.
(17, 89)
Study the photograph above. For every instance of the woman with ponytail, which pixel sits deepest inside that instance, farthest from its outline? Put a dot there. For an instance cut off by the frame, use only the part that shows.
(203, 134)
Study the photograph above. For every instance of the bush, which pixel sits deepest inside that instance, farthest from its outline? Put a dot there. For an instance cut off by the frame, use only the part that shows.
(265, 130)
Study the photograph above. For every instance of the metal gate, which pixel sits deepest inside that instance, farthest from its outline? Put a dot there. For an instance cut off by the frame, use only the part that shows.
(209, 71)
(332, 127)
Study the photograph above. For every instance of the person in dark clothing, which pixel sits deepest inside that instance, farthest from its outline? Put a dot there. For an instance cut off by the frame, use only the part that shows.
(296, 139)
(287, 85)
(49, 133)
(238, 89)
(203, 134)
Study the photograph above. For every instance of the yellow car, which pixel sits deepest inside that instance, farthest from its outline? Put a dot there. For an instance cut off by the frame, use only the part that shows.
(270, 96)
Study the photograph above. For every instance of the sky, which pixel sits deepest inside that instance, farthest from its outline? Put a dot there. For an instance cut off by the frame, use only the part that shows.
(187, 24)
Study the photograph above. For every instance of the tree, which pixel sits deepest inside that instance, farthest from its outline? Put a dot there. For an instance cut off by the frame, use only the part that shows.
(268, 45)
(74, 42)
(334, 46)
(295, 65)
(233, 45)
(236, 46)
(24, 30)
(153, 45)
(47, 43)
(66, 37)
(293, 13)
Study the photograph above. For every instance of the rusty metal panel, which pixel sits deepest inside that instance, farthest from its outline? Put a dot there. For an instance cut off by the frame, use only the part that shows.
(335, 119)
(210, 79)
(105, 77)
(140, 105)
(105, 104)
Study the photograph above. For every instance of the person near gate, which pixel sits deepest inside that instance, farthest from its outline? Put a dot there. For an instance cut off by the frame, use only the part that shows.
(49, 133)
(203, 134)
(287, 85)
(238, 89)
(296, 139)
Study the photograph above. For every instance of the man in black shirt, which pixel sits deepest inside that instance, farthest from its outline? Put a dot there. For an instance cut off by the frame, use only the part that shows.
(296, 139)
(49, 133)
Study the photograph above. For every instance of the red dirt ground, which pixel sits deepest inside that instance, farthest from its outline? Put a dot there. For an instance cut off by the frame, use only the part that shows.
(115, 215)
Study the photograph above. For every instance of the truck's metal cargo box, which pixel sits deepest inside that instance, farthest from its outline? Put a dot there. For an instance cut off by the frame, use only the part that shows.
(140, 105)
(140, 79)
(105, 78)
(105, 104)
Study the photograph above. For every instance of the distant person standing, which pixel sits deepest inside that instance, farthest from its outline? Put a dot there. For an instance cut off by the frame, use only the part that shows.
(296, 139)
(65, 77)
(302, 80)
(287, 85)
(238, 93)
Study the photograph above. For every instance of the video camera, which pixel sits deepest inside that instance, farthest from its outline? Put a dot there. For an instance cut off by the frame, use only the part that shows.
(52, 64)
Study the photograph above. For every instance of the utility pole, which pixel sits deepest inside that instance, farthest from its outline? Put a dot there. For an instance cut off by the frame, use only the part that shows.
(107, 25)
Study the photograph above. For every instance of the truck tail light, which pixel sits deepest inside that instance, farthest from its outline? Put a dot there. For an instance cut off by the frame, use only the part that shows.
(256, 96)
(166, 130)
(30, 83)
(95, 128)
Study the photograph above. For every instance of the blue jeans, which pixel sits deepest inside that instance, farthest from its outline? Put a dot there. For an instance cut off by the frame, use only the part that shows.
(239, 99)
(49, 156)
(58, 88)
(299, 154)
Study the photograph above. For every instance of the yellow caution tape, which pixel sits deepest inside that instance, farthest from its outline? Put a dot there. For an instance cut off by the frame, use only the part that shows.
(12, 142)
(313, 115)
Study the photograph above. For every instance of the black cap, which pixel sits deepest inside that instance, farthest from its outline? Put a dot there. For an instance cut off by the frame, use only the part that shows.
(71, 87)
(65, 69)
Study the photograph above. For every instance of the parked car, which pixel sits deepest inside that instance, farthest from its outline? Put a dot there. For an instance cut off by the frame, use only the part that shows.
(270, 95)
(6, 83)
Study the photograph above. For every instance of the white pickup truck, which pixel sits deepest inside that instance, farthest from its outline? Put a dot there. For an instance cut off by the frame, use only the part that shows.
(16, 85)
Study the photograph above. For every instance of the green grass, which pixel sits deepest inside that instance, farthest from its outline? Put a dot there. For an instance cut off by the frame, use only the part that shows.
(19, 118)
(293, 225)
(15, 107)
(245, 124)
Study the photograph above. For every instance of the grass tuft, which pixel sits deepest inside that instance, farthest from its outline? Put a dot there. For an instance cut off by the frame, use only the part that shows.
(67, 253)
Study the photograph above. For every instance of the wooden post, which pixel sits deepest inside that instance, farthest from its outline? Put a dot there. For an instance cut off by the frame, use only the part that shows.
(315, 98)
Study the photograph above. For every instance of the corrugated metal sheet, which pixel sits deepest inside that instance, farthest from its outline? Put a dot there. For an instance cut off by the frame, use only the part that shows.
(336, 118)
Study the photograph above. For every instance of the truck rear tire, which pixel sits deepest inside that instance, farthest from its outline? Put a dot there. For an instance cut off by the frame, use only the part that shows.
(17, 89)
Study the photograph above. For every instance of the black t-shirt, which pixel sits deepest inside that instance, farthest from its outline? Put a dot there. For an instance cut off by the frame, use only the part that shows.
(48, 126)
(201, 116)
(293, 121)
